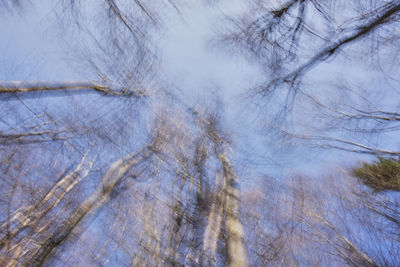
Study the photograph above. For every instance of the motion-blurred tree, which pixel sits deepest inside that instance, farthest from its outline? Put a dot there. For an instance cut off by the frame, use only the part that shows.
(315, 55)
(133, 176)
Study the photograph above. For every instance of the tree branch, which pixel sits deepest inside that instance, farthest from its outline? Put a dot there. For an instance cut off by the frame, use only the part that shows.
(8, 87)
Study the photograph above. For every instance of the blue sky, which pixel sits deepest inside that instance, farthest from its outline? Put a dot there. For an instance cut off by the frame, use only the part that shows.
(198, 71)
(189, 61)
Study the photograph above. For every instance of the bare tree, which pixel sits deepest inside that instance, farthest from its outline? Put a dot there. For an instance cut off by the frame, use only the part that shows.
(117, 53)
(100, 179)
(201, 223)
(302, 47)
(335, 221)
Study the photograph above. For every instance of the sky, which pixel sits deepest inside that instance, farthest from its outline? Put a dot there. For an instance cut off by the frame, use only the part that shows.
(189, 61)
(198, 69)
(27, 49)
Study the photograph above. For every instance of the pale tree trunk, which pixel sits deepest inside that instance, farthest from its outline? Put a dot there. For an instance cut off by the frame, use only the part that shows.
(35, 249)
(213, 228)
(226, 204)
(237, 253)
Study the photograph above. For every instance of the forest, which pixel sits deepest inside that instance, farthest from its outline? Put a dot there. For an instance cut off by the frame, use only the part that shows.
(200, 133)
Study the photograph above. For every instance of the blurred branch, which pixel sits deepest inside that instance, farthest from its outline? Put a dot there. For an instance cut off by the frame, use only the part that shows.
(376, 114)
(358, 148)
(342, 245)
(35, 255)
(29, 137)
(25, 217)
(387, 12)
(7, 87)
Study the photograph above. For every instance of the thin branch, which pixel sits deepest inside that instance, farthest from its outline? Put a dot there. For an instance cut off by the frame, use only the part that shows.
(359, 148)
(361, 31)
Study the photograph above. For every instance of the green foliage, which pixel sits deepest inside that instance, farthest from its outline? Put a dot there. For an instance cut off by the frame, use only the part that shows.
(382, 174)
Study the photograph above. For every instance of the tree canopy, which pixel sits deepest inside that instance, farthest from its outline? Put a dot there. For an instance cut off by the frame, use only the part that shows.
(382, 174)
